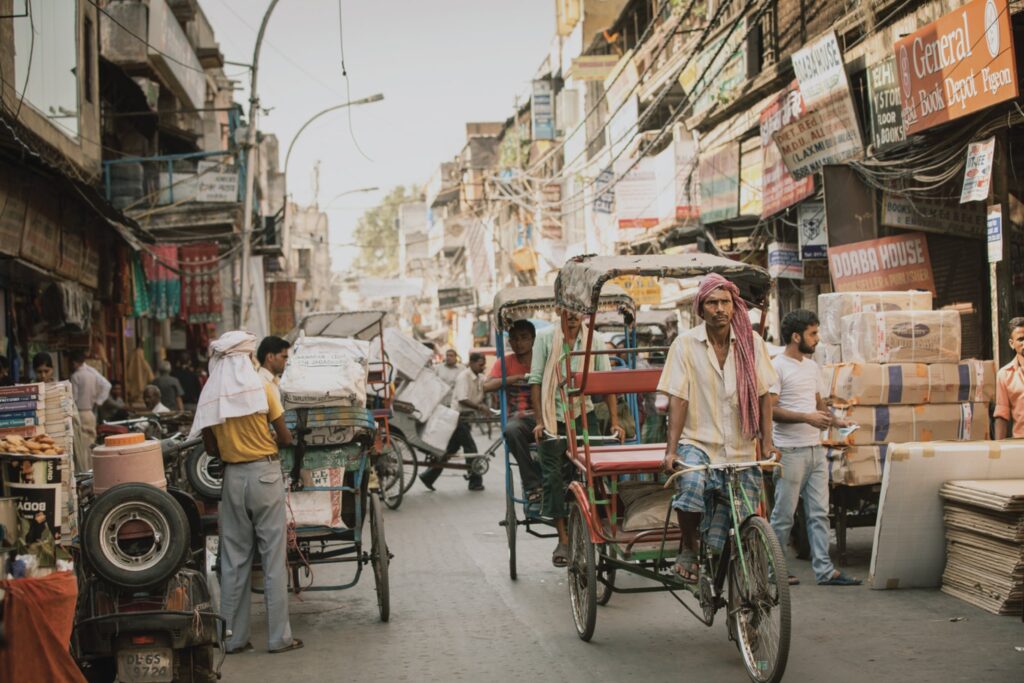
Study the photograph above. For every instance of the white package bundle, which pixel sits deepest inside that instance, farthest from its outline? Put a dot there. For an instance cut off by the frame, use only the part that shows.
(833, 307)
(902, 337)
(408, 356)
(828, 354)
(439, 427)
(325, 371)
(424, 393)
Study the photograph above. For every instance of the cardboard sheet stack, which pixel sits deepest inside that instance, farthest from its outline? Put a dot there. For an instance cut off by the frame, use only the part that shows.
(421, 387)
(901, 379)
(985, 543)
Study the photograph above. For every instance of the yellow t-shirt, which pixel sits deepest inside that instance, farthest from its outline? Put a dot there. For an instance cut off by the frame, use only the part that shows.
(244, 439)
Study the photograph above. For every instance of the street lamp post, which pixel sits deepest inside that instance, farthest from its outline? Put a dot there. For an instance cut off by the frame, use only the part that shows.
(354, 103)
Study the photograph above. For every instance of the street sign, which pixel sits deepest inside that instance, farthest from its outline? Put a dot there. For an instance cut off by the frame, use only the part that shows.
(995, 233)
(889, 264)
(642, 289)
(455, 297)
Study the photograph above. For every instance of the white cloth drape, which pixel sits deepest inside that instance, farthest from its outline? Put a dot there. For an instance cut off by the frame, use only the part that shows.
(234, 388)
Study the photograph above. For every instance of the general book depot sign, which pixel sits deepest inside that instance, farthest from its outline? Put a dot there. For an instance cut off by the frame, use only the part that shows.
(957, 65)
(895, 263)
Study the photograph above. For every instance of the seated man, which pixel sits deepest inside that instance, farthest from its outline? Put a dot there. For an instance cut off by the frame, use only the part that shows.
(551, 415)
(519, 428)
(151, 397)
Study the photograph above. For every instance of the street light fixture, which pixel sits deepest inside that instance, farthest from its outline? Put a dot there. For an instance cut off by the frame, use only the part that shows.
(348, 192)
(354, 103)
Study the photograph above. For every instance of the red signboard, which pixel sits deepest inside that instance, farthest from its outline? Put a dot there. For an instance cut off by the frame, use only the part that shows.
(957, 65)
(896, 263)
(779, 190)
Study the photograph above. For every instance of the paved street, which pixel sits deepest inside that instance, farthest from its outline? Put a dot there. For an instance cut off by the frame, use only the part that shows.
(456, 616)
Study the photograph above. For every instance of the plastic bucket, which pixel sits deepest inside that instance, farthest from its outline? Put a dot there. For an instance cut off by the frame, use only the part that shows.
(127, 458)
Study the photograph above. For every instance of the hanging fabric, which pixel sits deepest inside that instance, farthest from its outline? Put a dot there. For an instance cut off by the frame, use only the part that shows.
(200, 282)
(140, 294)
(161, 265)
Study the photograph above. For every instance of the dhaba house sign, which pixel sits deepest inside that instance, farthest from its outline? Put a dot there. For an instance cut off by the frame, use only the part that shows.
(957, 65)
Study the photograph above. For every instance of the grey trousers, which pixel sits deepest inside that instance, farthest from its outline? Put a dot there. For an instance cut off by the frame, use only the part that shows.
(252, 516)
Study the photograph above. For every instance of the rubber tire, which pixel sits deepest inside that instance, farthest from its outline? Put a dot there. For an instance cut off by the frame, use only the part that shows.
(761, 526)
(410, 463)
(394, 501)
(200, 485)
(176, 535)
(510, 535)
(379, 558)
(582, 598)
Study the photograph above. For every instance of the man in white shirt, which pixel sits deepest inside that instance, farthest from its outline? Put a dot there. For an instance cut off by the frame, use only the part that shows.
(450, 370)
(90, 389)
(800, 414)
(272, 355)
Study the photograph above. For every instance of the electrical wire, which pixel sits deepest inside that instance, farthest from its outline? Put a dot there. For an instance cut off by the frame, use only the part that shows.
(142, 40)
(348, 86)
(31, 53)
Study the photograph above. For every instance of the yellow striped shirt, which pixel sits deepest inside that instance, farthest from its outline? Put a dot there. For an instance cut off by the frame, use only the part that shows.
(693, 374)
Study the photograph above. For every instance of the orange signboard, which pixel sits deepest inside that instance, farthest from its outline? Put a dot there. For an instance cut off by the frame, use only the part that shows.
(897, 263)
(957, 65)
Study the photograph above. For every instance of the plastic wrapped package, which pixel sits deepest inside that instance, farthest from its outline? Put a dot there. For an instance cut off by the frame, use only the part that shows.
(902, 337)
(904, 424)
(828, 354)
(424, 394)
(911, 383)
(408, 356)
(325, 371)
(832, 308)
(439, 427)
(856, 465)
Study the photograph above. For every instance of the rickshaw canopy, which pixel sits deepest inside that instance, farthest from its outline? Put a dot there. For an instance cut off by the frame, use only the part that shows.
(581, 279)
(363, 325)
(515, 303)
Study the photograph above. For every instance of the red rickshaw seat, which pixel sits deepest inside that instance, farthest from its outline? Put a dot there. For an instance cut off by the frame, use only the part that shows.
(645, 458)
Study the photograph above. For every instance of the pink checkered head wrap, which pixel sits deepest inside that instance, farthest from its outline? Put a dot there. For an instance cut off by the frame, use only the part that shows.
(743, 333)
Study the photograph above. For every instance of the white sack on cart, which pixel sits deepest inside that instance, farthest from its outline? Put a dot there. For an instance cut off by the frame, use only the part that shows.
(408, 356)
(325, 371)
(439, 428)
(317, 508)
(424, 394)
(834, 306)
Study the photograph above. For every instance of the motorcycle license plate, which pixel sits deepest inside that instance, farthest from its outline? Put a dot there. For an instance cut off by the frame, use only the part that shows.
(150, 665)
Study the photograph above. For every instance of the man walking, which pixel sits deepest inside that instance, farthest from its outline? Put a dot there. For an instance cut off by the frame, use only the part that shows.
(242, 422)
(467, 398)
(172, 394)
(1010, 387)
(90, 389)
(800, 414)
(450, 370)
(272, 355)
(717, 377)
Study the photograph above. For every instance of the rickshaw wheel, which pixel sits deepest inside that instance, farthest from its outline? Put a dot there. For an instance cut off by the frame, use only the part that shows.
(582, 575)
(758, 603)
(510, 533)
(607, 585)
(391, 475)
(379, 557)
(408, 456)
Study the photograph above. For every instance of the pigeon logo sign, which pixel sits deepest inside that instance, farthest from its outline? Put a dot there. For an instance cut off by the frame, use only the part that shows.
(945, 73)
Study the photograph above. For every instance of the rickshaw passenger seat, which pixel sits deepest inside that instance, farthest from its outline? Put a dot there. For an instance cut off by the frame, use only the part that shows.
(620, 381)
(647, 458)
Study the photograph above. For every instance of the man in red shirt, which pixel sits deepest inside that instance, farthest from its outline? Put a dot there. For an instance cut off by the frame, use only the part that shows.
(1010, 387)
(519, 428)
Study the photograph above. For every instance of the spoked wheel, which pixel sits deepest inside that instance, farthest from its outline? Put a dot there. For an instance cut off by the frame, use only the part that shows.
(606, 581)
(510, 533)
(391, 475)
(582, 575)
(410, 465)
(759, 610)
(379, 557)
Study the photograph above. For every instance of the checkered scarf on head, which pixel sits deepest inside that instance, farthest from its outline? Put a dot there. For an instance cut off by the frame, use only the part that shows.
(743, 333)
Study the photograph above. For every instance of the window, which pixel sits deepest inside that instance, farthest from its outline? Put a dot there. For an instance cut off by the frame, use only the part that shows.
(304, 262)
(46, 60)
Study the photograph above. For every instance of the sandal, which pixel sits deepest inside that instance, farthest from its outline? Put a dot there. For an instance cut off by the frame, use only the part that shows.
(245, 648)
(296, 644)
(560, 558)
(686, 567)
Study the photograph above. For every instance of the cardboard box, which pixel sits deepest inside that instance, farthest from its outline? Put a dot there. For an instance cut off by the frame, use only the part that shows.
(828, 354)
(901, 424)
(833, 307)
(439, 427)
(408, 356)
(902, 337)
(424, 393)
(911, 383)
(857, 465)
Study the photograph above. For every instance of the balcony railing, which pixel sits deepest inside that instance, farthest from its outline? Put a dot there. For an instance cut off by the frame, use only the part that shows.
(135, 184)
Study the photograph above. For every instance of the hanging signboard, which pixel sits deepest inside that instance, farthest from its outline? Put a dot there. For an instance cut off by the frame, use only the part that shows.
(636, 194)
(718, 72)
(604, 198)
(12, 217)
(896, 263)
(542, 110)
(719, 184)
(642, 289)
(619, 84)
(687, 182)
(71, 249)
(932, 215)
(216, 182)
(751, 170)
(40, 238)
(592, 67)
(784, 261)
(957, 65)
(779, 189)
(812, 231)
(884, 106)
(978, 171)
(995, 233)
(455, 297)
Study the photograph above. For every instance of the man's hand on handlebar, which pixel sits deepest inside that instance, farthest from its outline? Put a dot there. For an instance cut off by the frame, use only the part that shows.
(670, 460)
(618, 432)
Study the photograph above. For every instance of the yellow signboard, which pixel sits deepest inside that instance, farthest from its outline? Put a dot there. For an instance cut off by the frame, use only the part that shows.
(642, 289)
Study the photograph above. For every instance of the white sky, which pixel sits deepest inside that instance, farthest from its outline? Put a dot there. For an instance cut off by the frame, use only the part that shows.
(438, 63)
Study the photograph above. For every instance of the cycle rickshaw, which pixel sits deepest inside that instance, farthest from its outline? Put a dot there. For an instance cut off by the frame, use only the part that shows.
(749, 577)
(517, 303)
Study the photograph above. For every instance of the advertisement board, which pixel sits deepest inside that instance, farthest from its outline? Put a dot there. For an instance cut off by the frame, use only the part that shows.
(812, 230)
(719, 183)
(896, 263)
(885, 109)
(784, 261)
(636, 194)
(542, 110)
(779, 189)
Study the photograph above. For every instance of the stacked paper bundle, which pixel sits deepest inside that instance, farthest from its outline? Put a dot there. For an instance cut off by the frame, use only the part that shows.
(901, 379)
(22, 410)
(985, 543)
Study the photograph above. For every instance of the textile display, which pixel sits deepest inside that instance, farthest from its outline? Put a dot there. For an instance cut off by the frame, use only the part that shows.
(160, 264)
(200, 282)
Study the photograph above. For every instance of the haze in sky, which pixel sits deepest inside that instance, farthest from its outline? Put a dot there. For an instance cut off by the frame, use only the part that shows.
(438, 63)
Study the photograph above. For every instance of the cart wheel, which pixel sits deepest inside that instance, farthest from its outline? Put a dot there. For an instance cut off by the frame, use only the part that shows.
(410, 465)
(582, 575)
(606, 582)
(759, 610)
(510, 533)
(391, 476)
(379, 557)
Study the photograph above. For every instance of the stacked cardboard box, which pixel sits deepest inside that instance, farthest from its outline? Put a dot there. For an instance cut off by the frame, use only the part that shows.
(985, 543)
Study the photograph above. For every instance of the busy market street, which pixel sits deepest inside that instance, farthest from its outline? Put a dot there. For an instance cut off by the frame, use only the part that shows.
(546, 340)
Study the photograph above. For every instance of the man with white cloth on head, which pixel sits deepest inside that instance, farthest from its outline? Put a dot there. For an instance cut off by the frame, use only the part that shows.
(242, 422)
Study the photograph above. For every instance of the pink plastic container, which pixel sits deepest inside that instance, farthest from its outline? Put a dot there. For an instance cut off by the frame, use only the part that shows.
(127, 458)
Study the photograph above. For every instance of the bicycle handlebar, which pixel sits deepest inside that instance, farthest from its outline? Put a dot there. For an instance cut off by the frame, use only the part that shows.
(680, 468)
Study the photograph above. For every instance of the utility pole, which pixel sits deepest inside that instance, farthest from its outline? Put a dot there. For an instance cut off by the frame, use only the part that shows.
(250, 175)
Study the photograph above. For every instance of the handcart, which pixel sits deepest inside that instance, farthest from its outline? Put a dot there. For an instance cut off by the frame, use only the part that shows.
(513, 304)
(749, 576)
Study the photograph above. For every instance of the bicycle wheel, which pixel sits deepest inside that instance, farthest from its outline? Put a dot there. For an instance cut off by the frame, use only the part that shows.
(408, 457)
(390, 476)
(379, 558)
(759, 610)
(510, 533)
(582, 575)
